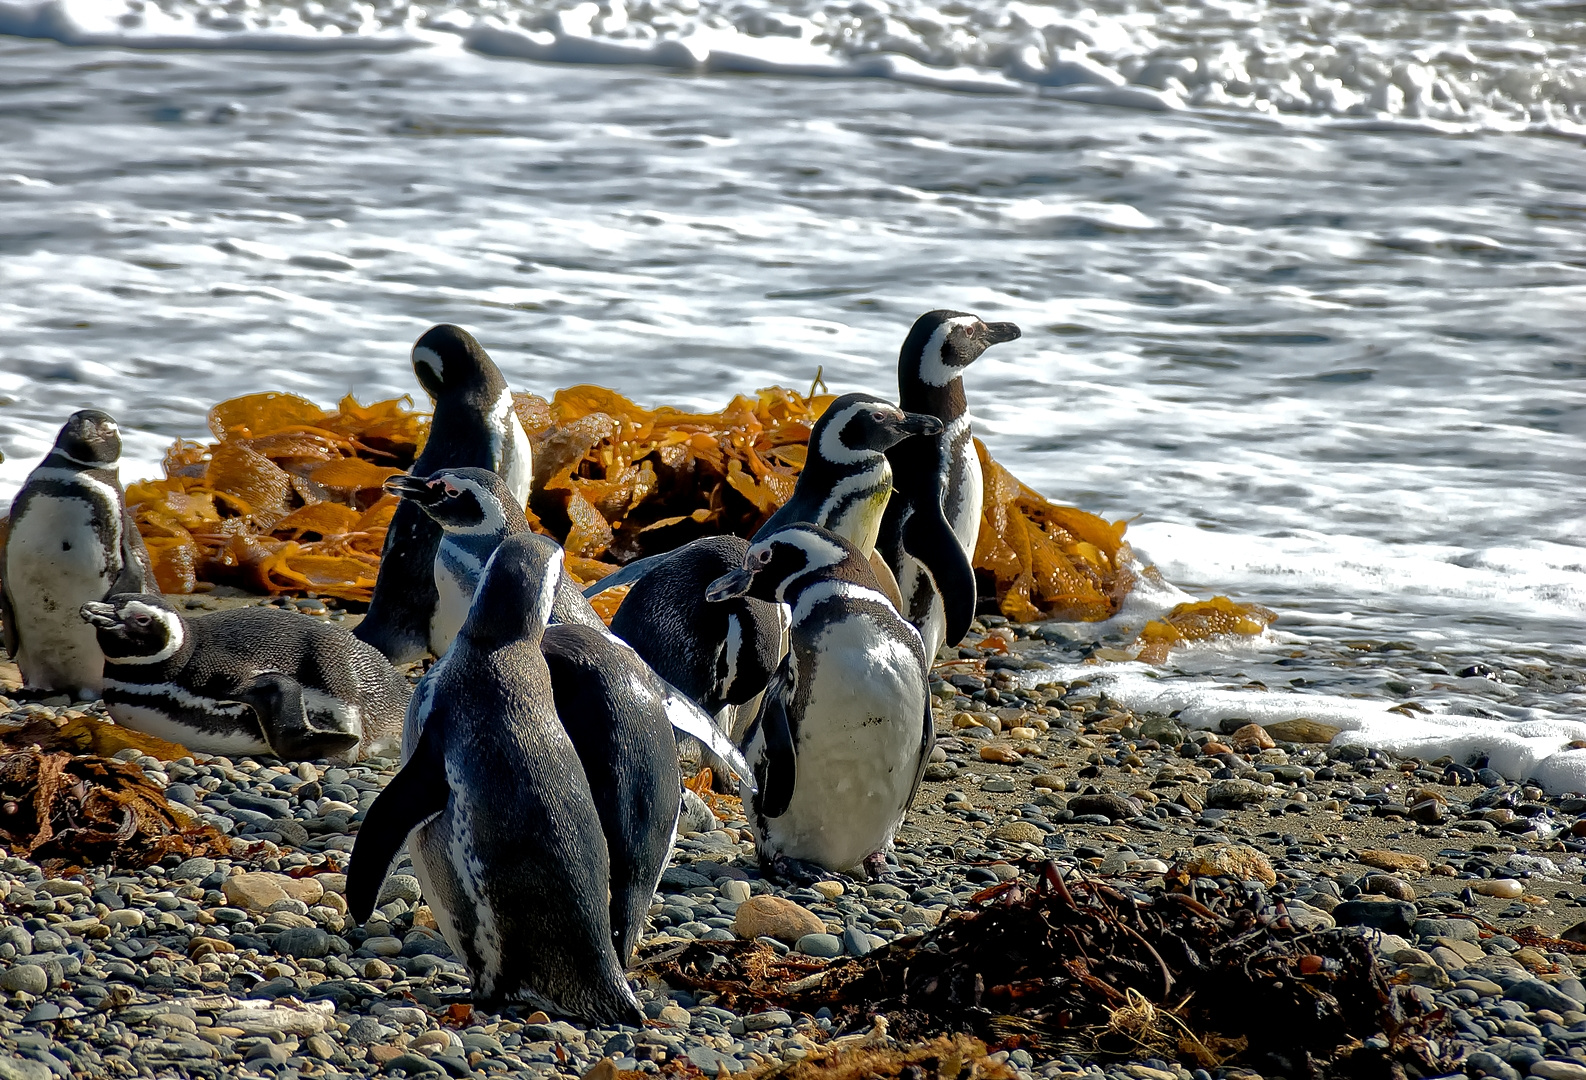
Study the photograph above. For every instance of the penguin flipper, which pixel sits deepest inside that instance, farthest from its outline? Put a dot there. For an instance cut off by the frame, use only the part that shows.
(627, 575)
(931, 540)
(416, 794)
(687, 717)
(775, 772)
(137, 570)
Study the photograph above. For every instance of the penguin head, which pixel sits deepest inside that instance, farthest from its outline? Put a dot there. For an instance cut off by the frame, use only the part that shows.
(447, 360)
(277, 702)
(943, 343)
(90, 437)
(460, 500)
(772, 564)
(857, 426)
(136, 628)
(516, 591)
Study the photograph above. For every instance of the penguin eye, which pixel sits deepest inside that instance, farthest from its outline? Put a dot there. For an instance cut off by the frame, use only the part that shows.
(878, 416)
(141, 620)
(763, 557)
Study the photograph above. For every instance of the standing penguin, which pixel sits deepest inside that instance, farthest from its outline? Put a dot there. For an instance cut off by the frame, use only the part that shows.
(71, 541)
(509, 844)
(937, 595)
(476, 511)
(844, 730)
(221, 683)
(474, 426)
(722, 654)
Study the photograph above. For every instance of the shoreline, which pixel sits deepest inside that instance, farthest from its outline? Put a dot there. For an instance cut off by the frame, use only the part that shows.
(152, 968)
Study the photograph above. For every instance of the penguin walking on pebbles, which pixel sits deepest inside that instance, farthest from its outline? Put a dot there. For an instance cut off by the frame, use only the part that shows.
(71, 541)
(844, 730)
(937, 596)
(539, 817)
(474, 426)
(254, 680)
(476, 512)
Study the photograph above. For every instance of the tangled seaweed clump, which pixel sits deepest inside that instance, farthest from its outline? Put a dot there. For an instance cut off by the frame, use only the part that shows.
(288, 497)
(64, 803)
(1107, 970)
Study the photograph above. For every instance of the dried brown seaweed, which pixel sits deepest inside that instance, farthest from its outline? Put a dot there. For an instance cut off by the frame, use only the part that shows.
(1105, 970)
(65, 808)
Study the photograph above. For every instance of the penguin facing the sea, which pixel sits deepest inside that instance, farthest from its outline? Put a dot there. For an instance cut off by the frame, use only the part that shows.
(844, 730)
(507, 840)
(476, 512)
(254, 680)
(71, 541)
(937, 584)
(474, 426)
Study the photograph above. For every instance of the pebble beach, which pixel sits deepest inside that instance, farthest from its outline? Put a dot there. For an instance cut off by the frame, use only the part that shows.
(1466, 885)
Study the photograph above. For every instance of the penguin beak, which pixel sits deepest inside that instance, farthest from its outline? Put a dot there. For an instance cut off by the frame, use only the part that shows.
(995, 333)
(733, 583)
(421, 491)
(100, 614)
(920, 424)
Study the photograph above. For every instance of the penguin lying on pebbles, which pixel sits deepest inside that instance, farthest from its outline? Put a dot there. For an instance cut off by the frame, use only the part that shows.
(543, 816)
(937, 587)
(844, 730)
(254, 680)
(474, 426)
(71, 541)
(476, 511)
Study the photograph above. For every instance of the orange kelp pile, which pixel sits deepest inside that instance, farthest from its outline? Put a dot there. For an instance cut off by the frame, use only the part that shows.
(1197, 621)
(288, 498)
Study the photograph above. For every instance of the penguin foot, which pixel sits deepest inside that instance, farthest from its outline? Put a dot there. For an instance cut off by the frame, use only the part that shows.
(789, 871)
(876, 866)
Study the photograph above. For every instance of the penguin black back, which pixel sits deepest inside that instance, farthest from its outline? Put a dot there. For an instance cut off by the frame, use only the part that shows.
(473, 427)
(614, 709)
(718, 654)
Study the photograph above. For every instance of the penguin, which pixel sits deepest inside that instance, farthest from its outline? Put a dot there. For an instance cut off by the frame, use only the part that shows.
(474, 426)
(847, 478)
(476, 511)
(931, 364)
(507, 840)
(937, 585)
(844, 730)
(202, 681)
(71, 541)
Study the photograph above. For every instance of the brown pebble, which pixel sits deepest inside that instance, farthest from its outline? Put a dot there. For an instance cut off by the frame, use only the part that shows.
(1387, 885)
(1214, 748)
(1002, 755)
(1250, 739)
(1394, 860)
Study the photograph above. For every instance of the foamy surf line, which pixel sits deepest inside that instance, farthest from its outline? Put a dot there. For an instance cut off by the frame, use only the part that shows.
(1111, 57)
(1538, 748)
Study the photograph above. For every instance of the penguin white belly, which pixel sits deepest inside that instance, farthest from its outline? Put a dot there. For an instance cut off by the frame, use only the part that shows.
(857, 748)
(454, 593)
(56, 564)
(964, 492)
(245, 738)
(451, 874)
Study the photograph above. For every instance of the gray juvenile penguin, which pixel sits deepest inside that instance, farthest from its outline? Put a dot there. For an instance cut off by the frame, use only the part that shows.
(507, 841)
(254, 680)
(71, 541)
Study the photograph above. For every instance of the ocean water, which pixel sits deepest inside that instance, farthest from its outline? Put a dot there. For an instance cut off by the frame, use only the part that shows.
(1301, 285)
